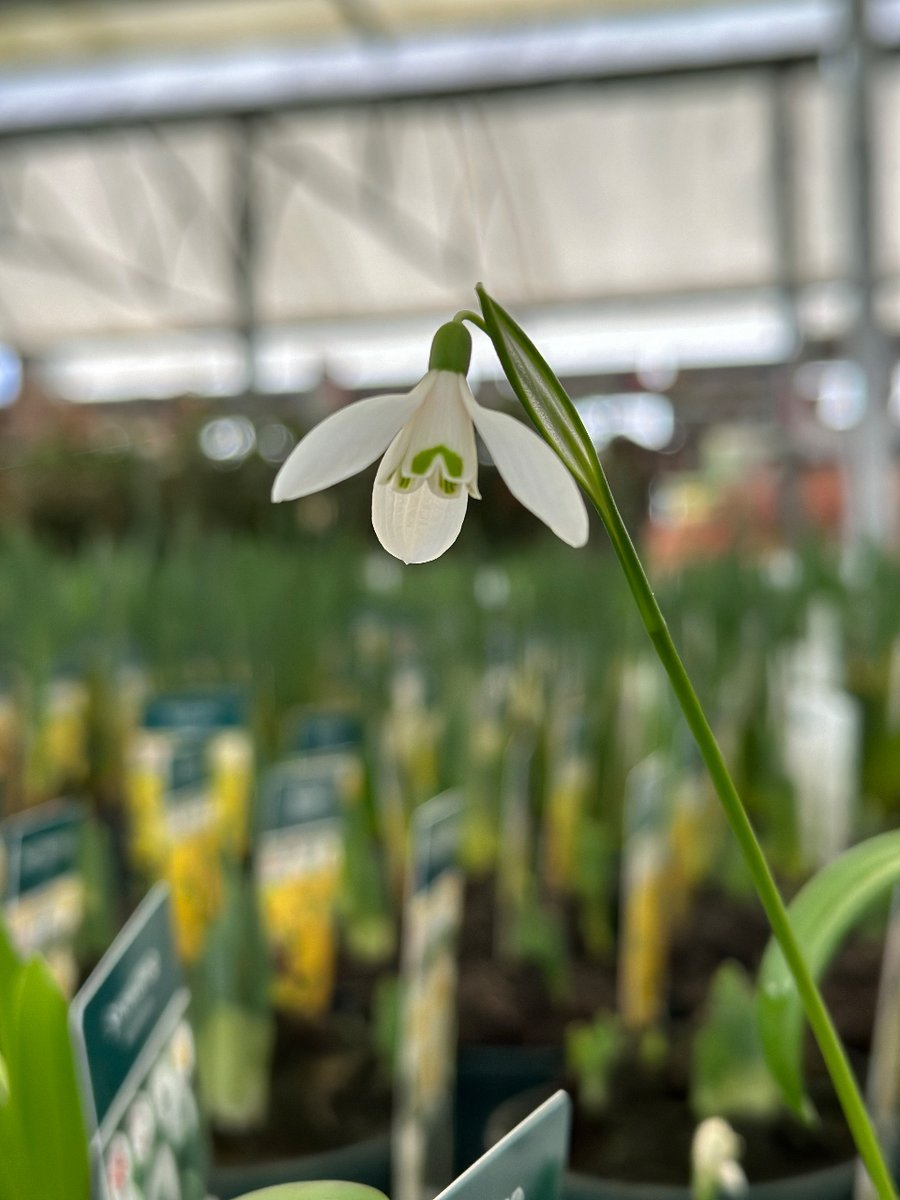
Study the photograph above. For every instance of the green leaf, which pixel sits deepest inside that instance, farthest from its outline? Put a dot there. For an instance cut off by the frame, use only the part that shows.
(234, 1051)
(325, 1189)
(593, 1049)
(235, 968)
(822, 914)
(729, 1073)
(43, 1142)
(541, 394)
(96, 861)
(44, 1090)
(10, 967)
(12, 1144)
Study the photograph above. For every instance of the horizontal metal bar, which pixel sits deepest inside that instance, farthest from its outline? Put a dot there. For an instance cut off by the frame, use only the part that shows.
(106, 94)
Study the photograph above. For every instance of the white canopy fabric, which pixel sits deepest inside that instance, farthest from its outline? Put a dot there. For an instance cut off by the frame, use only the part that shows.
(605, 198)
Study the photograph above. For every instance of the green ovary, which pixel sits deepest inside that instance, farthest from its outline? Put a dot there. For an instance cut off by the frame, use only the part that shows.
(422, 462)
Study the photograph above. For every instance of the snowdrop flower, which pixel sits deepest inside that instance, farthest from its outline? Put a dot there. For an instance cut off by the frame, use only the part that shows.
(430, 467)
(714, 1161)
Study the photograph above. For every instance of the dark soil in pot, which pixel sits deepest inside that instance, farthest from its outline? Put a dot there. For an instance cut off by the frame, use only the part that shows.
(508, 1003)
(646, 1134)
(644, 1137)
(505, 1002)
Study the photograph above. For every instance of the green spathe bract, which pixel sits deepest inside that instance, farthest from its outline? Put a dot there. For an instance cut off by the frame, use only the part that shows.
(540, 392)
(324, 1189)
(551, 410)
(822, 913)
(43, 1143)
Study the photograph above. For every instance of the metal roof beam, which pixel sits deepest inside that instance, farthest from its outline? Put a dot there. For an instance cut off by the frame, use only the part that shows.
(102, 94)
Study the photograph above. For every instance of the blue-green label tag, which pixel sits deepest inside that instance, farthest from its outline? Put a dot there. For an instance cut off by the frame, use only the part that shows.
(648, 791)
(645, 891)
(423, 1119)
(135, 1056)
(201, 709)
(302, 790)
(435, 840)
(42, 889)
(325, 731)
(527, 1164)
(189, 766)
(39, 846)
(299, 863)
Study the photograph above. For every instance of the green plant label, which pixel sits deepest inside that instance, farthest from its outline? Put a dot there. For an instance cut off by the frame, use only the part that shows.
(41, 884)
(219, 716)
(527, 1164)
(643, 941)
(423, 1117)
(326, 731)
(299, 867)
(189, 784)
(135, 1057)
(198, 709)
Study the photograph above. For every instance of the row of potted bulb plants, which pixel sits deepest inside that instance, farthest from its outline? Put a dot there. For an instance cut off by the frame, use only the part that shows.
(557, 805)
(37, 1055)
(528, 917)
(553, 808)
(94, 621)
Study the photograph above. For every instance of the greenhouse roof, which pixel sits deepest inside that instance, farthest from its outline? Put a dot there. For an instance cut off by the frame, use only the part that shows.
(313, 197)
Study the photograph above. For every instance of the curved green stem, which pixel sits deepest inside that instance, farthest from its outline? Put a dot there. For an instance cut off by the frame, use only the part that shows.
(466, 314)
(814, 1006)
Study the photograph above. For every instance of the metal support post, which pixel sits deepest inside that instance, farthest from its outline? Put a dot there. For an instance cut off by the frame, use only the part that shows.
(870, 517)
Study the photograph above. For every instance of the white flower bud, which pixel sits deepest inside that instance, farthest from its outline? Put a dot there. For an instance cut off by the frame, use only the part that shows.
(714, 1154)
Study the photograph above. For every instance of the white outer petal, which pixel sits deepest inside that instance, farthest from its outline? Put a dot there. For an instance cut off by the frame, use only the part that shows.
(344, 443)
(533, 473)
(417, 526)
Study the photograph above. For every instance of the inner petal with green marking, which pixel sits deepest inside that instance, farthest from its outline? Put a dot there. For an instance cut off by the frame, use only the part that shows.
(425, 462)
(437, 446)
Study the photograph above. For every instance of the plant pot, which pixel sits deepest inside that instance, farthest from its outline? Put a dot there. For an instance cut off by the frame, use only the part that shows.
(829, 1183)
(366, 1162)
(486, 1076)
